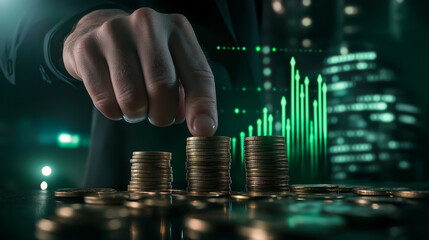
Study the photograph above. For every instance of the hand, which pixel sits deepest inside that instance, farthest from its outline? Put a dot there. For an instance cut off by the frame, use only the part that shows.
(131, 64)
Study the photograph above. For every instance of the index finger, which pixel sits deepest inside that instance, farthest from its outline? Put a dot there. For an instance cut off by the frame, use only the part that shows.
(197, 78)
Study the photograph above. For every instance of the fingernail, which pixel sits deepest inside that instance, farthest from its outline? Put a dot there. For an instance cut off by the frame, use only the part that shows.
(118, 119)
(153, 123)
(204, 124)
(137, 117)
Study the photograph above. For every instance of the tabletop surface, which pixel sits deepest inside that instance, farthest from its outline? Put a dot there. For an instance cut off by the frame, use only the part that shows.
(21, 210)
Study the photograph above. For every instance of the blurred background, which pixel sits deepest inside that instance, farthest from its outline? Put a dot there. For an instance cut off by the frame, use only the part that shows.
(372, 56)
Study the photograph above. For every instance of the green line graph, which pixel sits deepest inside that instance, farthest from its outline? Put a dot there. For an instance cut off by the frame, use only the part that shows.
(305, 129)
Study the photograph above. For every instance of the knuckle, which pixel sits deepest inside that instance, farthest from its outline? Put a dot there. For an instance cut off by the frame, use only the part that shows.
(110, 27)
(181, 22)
(144, 19)
(143, 16)
(160, 82)
(129, 99)
(84, 45)
(205, 76)
(102, 101)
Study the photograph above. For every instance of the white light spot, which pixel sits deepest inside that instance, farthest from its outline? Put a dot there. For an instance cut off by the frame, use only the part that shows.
(267, 85)
(306, 22)
(351, 10)
(306, 3)
(266, 50)
(46, 171)
(267, 71)
(306, 43)
(44, 185)
(278, 7)
(65, 138)
(344, 50)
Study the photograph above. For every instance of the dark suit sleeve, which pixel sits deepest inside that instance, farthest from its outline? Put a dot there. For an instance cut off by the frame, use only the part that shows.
(43, 26)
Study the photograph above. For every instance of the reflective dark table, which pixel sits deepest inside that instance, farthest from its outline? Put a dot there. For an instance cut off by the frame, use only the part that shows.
(305, 216)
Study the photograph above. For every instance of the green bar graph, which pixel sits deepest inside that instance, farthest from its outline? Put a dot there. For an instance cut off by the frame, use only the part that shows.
(250, 130)
(312, 149)
(305, 130)
(265, 110)
(234, 147)
(283, 103)
(297, 130)
(325, 127)
(292, 117)
(259, 127)
(320, 105)
(316, 140)
(301, 101)
(307, 116)
(288, 139)
(242, 135)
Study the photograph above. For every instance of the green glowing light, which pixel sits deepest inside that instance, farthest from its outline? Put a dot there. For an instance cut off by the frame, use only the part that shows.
(66, 140)
(258, 48)
(316, 139)
(302, 127)
(325, 126)
(237, 111)
(292, 77)
(265, 117)
(297, 78)
(320, 116)
(274, 89)
(223, 48)
(288, 139)
(250, 130)
(307, 115)
(234, 147)
(242, 135)
(243, 111)
(270, 125)
(312, 149)
(243, 48)
(259, 127)
(46, 171)
(243, 89)
(233, 48)
(274, 49)
(283, 103)
(218, 48)
(258, 89)
(238, 48)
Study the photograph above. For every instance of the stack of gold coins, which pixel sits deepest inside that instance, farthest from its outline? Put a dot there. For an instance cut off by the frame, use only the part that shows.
(208, 164)
(266, 164)
(150, 171)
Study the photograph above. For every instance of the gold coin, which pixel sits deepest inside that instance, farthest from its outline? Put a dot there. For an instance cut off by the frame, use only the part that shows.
(80, 192)
(208, 194)
(416, 194)
(264, 138)
(211, 138)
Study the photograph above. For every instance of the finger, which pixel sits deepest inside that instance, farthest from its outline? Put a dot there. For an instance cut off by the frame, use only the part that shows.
(125, 70)
(180, 114)
(158, 68)
(197, 79)
(92, 68)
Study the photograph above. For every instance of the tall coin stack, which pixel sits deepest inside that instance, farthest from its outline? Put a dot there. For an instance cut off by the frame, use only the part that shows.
(266, 164)
(208, 165)
(150, 171)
